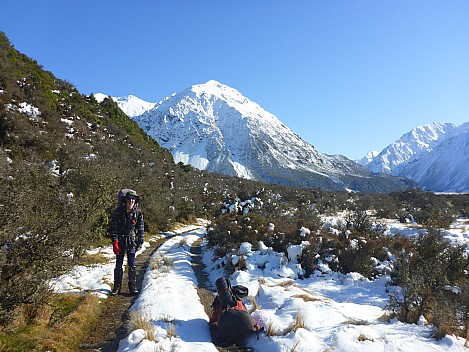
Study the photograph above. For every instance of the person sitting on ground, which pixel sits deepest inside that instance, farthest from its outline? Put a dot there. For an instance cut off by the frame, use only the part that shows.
(230, 322)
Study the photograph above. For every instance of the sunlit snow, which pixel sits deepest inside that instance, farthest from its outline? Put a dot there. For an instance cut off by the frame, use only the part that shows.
(340, 312)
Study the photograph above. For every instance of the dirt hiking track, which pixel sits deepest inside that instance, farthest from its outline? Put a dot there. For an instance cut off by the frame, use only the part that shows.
(111, 326)
(206, 291)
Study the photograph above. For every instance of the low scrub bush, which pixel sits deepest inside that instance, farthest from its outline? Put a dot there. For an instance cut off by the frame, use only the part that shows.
(434, 283)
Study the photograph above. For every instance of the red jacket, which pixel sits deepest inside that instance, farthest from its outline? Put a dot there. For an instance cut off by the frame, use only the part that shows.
(218, 309)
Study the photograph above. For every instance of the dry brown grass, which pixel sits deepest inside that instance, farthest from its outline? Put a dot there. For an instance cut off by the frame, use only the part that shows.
(161, 262)
(271, 329)
(307, 298)
(255, 305)
(286, 283)
(97, 258)
(166, 318)
(295, 346)
(242, 265)
(182, 242)
(171, 330)
(299, 322)
(363, 337)
(140, 321)
(356, 322)
(386, 317)
(64, 334)
(60, 325)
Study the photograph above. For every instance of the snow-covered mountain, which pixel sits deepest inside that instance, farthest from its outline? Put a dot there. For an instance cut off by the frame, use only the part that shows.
(131, 105)
(214, 127)
(434, 155)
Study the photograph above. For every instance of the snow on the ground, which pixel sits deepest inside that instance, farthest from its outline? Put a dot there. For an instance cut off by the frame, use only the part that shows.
(458, 232)
(98, 278)
(339, 312)
(169, 297)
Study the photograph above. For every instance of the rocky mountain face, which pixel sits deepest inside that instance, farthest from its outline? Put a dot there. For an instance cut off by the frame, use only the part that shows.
(214, 127)
(434, 155)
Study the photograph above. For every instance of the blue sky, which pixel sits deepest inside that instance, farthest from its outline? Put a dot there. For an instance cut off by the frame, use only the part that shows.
(347, 76)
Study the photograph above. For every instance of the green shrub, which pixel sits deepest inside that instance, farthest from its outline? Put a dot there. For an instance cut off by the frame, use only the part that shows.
(433, 277)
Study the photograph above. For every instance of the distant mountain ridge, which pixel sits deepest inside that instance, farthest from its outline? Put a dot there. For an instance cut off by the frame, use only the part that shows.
(130, 105)
(214, 127)
(434, 155)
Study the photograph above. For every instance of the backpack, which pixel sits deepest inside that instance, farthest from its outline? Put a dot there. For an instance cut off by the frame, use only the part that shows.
(233, 322)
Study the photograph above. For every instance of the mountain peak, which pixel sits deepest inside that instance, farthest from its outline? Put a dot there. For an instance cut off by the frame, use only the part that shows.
(213, 127)
(218, 90)
(129, 104)
(420, 154)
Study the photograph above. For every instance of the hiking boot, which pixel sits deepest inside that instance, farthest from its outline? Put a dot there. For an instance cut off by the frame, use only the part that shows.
(118, 273)
(132, 281)
(115, 290)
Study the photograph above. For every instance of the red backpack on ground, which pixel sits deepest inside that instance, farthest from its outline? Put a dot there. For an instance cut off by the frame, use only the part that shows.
(230, 321)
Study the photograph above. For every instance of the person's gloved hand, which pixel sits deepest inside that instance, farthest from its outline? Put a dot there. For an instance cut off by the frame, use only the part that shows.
(139, 247)
(115, 247)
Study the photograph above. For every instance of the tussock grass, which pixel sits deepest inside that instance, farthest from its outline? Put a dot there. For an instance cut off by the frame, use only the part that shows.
(356, 322)
(242, 265)
(363, 337)
(93, 259)
(182, 242)
(166, 318)
(307, 298)
(284, 283)
(140, 321)
(255, 305)
(171, 330)
(386, 317)
(161, 262)
(299, 322)
(59, 326)
(295, 346)
(271, 329)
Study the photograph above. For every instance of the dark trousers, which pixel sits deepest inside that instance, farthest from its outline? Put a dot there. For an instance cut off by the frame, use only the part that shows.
(130, 258)
(118, 272)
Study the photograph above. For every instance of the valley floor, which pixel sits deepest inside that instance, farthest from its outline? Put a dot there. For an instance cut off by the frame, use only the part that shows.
(327, 312)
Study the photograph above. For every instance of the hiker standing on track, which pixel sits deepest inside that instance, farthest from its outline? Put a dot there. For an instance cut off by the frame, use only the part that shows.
(127, 231)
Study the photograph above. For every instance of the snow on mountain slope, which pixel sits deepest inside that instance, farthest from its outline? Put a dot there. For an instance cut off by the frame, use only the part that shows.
(131, 105)
(214, 127)
(368, 158)
(427, 154)
(409, 147)
(445, 168)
